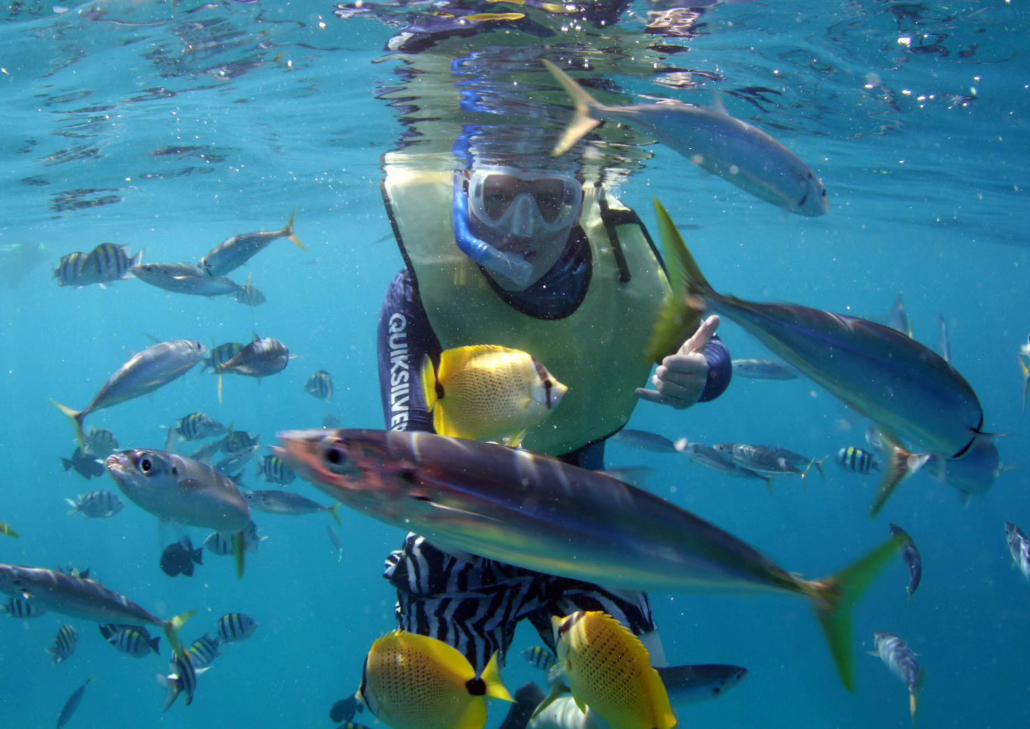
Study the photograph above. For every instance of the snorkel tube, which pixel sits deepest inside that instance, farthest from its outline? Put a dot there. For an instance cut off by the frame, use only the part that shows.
(510, 266)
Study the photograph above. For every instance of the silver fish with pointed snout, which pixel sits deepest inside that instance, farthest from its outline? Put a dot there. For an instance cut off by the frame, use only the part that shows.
(542, 514)
(185, 278)
(234, 252)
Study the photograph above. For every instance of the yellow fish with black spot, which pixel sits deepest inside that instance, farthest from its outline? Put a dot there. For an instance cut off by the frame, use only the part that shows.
(413, 681)
(608, 669)
(485, 391)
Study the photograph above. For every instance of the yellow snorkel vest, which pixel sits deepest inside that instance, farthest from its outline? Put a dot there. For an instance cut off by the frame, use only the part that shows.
(597, 350)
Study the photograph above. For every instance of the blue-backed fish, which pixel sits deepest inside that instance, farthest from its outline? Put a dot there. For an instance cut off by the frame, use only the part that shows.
(414, 681)
(288, 504)
(81, 598)
(182, 680)
(261, 358)
(972, 475)
(22, 608)
(132, 640)
(857, 460)
(145, 372)
(763, 369)
(250, 295)
(913, 560)
(222, 545)
(320, 386)
(893, 651)
(736, 151)
(185, 278)
(72, 704)
(608, 669)
(64, 644)
(96, 505)
(542, 514)
(234, 252)
(180, 557)
(235, 628)
(485, 391)
(184, 491)
(105, 264)
(1019, 548)
(273, 470)
(904, 387)
(645, 440)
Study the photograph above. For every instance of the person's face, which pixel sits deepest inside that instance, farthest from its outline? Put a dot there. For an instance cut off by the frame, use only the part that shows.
(526, 214)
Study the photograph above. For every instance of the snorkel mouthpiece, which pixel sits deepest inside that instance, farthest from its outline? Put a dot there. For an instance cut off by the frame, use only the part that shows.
(506, 264)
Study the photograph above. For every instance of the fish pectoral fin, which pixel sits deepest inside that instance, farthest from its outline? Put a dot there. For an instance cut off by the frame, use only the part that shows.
(515, 441)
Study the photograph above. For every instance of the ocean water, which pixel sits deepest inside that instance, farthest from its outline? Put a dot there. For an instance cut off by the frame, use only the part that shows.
(172, 126)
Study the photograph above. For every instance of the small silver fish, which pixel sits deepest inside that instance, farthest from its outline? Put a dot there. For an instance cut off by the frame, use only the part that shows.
(1019, 548)
(96, 505)
(232, 465)
(72, 704)
(763, 369)
(320, 386)
(718, 461)
(64, 644)
(288, 504)
(234, 252)
(759, 459)
(913, 560)
(645, 441)
(334, 539)
(902, 661)
(185, 278)
(145, 372)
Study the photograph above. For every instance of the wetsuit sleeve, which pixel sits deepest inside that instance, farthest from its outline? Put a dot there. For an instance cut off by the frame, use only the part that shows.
(405, 335)
(720, 369)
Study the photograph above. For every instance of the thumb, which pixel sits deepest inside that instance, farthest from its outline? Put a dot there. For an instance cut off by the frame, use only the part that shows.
(700, 338)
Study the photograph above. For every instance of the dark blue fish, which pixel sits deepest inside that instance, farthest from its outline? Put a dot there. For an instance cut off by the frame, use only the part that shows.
(906, 388)
(344, 710)
(913, 560)
(85, 464)
(179, 558)
(72, 704)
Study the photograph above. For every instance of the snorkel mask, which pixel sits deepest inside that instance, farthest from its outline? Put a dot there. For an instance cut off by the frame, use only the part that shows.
(510, 203)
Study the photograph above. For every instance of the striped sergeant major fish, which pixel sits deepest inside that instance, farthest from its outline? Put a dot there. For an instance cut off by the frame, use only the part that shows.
(235, 628)
(893, 651)
(1019, 548)
(857, 460)
(64, 644)
(182, 679)
(913, 560)
(145, 372)
(905, 388)
(320, 386)
(542, 514)
(203, 652)
(25, 609)
(763, 369)
(238, 441)
(101, 443)
(222, 545)
(234, 252)
(96, 505)
(195, 426)
(736, 151)
(539, 657)
(103, 265)
(219, 355)
(250, 295)
(132, 640)
(185, 278)
(81, 598)
(274, 470)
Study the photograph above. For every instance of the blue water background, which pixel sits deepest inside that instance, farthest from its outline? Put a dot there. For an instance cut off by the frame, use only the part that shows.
(927, 199)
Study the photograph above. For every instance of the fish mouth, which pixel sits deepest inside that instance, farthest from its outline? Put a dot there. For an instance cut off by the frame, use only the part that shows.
(117, 466)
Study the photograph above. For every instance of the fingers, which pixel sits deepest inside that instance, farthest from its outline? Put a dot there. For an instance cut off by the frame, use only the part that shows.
(700, 338)
(652, 396)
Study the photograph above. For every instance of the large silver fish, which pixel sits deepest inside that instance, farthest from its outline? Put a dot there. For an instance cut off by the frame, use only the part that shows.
(542, 514)
(906, 388)
(184, 491)
(288, 504)
(185, 278)
(148, 370)
(234, 252)
(741, 154)
(78, 597)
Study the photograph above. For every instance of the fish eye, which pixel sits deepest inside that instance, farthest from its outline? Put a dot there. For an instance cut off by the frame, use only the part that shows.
(145, 465)
(334, 456)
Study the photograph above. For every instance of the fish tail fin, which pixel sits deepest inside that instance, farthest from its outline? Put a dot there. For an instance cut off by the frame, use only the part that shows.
(288, 232)
(495, 688)
(430, 385)
(75, 506)
(913, 696)
(77, 418)
(198, 555)
(1026, 380)
(155, 645)
(172, 628)
(171, 686)
(53, 653)
(835, 597)
(819, 467)
(900, 465)
(239, 548)
(582, 123)
(680, 315)
(6, 530)
(334, 512)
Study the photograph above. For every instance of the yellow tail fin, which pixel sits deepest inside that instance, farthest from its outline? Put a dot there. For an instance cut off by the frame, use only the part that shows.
(5, 529)
(288, 232)
(495, 688)
(172, 628)
(581, 122)
(900, 465)
(239, 551)
(1026, 380)
(77, 418)
(334, 512)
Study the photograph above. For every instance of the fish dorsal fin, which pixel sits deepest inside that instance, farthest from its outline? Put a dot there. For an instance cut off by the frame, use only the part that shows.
(256, 336)
(718, 104)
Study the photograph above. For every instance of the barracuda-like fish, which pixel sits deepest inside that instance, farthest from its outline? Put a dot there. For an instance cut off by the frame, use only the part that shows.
(906, 388)
(542, 514)
(184, 491)
(185, 278)
(78, 597)
(717, 461)
(234, 252)
(152, 368)
(741, 154)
